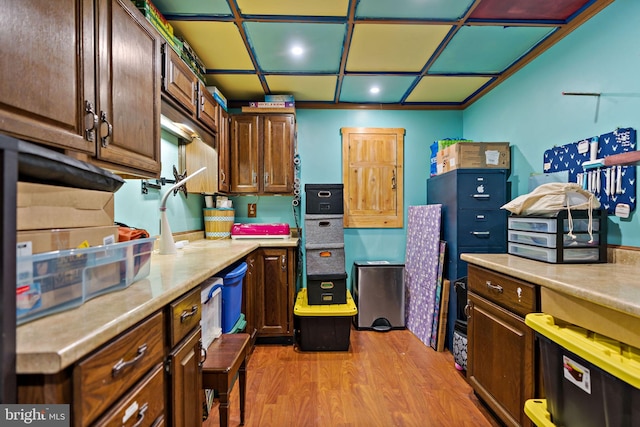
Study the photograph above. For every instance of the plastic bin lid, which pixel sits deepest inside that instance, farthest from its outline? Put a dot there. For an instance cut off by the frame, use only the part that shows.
(618, 359)
(302, 307)
(234, 272)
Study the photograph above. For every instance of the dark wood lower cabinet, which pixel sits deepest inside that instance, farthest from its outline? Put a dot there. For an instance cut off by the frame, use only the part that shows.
(502, 363)
(186, 382)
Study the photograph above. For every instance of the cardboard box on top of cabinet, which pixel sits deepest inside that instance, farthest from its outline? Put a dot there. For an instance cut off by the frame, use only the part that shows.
(472, 155)
(41, 206)
(60, 239)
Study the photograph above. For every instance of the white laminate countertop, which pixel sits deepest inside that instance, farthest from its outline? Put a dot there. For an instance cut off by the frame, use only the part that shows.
(611, 285)
(50, 344)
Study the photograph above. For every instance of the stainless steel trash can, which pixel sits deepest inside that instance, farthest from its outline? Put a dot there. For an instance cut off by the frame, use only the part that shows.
(378, 291)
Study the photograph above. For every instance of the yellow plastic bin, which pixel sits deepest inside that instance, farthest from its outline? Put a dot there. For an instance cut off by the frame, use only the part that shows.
(589, 380)
(323, 327)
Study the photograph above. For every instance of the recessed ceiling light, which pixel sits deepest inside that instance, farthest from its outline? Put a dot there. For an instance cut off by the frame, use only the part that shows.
(297, 50)
(374, 89)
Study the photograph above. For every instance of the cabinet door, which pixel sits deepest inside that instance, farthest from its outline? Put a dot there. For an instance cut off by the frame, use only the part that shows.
(207, 108)
(500, 364)
(178, 80)
(245, 138)
(129, 89)
(186, 382)
(251, 305)
(275, 293)
(278, 149)
(47, 72)
(224, 174)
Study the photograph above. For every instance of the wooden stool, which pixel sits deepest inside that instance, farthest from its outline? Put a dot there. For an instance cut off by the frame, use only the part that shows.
(226, 357)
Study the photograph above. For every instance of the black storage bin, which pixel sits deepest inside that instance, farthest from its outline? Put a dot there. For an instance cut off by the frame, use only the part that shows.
(460, 286)
(323, 199)
(327, 288)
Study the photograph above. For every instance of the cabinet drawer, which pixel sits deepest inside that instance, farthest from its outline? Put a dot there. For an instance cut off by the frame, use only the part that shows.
(184, 315)
(482, 228)
(482, 190)
(510, 293)
(104, 376)
(144, 404)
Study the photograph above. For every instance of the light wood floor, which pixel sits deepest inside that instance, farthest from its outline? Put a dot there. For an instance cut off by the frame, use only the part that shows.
(385, 379)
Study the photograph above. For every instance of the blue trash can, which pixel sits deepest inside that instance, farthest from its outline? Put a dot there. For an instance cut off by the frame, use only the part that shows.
(231, 295)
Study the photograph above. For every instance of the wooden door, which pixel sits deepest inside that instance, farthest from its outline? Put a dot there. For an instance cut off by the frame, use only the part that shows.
(129, 89)
(47, 70)
(273, 293)
(224, 174)
(186, 382)
(500, 364)
(244, 146)
(278, 149)
(373, 177)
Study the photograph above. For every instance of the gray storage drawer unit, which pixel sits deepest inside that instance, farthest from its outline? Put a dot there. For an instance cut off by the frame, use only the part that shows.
(322, 229)
(379, 293)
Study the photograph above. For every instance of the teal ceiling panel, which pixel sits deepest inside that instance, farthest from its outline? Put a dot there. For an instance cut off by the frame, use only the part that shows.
(487, 49)
(391, 89)
(320, 44)
(193, 7)
(413, 9)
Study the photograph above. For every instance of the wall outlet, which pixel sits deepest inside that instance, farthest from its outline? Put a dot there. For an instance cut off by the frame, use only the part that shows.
(252, 210)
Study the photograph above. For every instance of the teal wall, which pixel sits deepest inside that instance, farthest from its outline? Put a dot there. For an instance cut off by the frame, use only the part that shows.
(529, 110)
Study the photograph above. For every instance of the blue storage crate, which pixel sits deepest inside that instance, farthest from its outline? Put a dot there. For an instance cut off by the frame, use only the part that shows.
(231, 295)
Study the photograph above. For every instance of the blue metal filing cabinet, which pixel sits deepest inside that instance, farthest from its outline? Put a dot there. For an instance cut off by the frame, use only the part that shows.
(472, 221)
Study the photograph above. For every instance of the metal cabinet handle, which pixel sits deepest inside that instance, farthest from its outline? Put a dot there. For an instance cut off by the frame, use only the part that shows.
(186, 314)
(393, 180)
(283, 262)
(266, 178)
(91, 121)
(481, 233)
(223, 176)
(141, 413)
(103, 138)
(467, 309)
(121, 365)
(203, 353)
(254, 177)
(492, 287)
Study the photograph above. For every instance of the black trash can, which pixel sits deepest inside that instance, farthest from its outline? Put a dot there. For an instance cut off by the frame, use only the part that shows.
(459, 347)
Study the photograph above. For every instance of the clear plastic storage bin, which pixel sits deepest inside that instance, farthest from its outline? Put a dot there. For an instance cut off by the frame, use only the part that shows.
(55, 281)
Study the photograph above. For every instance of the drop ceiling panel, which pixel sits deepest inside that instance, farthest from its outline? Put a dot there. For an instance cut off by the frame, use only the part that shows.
(414, 9)
(218, 44)
(393, 47)
(237, 86)
(443, 89)
(487, 49)
(391, 88)
(527, 10)
(294, 7)
(304, 88)
(272, 43)
(193, 7)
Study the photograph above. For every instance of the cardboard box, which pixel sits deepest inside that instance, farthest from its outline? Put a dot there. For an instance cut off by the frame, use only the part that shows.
(474, 155)
(41, 206)
(60, 239)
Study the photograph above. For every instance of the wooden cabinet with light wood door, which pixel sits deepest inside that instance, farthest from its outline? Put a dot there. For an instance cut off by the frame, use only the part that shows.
(275, 292)
(261, 153)
(85, 77)
(502, 366)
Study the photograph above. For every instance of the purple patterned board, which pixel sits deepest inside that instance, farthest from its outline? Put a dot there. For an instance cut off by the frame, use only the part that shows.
(421, 268)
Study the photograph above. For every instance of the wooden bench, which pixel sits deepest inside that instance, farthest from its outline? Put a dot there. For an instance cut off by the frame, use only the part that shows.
(226, 357)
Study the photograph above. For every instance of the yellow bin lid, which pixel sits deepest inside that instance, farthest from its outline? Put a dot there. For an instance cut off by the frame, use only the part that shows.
(302, 307)
(614, 357)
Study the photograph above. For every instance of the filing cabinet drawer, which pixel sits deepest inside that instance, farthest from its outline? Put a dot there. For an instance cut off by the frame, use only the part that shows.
(143, 406)
(184, 315)
(482, 228)
(481, 190)
(108, 373)
(515, 295)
